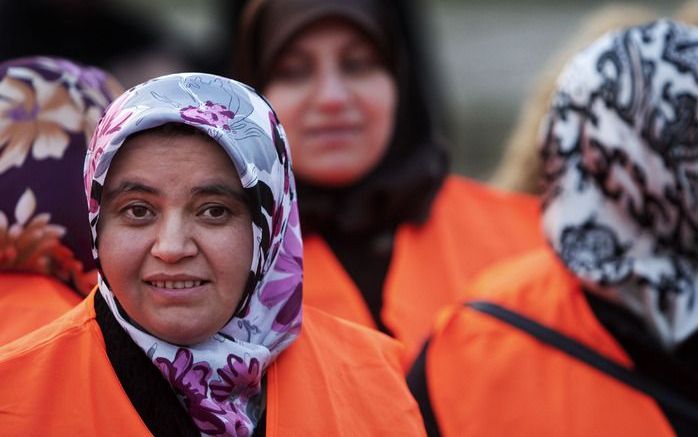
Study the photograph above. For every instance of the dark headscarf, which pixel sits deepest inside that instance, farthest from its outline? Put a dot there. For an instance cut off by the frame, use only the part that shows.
(401, 188)
(48, 109)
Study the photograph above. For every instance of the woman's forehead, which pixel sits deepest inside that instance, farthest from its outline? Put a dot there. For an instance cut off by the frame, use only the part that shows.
(330, 31)
(160, 158)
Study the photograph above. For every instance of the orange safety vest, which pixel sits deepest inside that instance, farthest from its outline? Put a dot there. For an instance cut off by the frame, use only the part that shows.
(469, 227)
(486, 377)
(336, 379)
(29, 301)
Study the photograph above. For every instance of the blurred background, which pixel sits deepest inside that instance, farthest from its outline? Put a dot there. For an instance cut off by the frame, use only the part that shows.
(486, 55)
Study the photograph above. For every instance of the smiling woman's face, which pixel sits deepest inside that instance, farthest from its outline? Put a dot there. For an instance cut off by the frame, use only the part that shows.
(337, 102)
(175, 235)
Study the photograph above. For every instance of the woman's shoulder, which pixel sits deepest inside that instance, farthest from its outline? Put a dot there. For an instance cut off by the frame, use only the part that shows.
(349, 378)
(459, 187)
(345, 338)
(74, 327)
(529, 273)
(535, 285)
(480, 211)
(30, 301)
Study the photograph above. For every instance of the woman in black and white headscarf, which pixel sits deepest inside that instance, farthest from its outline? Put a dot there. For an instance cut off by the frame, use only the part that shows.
(598, 335)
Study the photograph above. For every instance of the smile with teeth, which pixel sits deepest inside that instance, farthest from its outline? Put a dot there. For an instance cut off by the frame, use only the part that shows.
(176, 284)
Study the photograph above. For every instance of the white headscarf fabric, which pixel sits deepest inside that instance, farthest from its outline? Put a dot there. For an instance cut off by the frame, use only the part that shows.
(219, 380)
(620, 151)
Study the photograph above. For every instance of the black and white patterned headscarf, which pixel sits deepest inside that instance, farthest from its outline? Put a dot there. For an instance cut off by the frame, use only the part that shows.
(621, 173)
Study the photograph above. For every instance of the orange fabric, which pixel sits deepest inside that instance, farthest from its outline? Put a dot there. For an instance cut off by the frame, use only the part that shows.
(488, 378)
(340, 379)
(470, 226)
(29, 301)
(336, 379)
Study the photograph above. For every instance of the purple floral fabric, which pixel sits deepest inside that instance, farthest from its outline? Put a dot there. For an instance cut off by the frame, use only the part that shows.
(48, 110)
(219, 380)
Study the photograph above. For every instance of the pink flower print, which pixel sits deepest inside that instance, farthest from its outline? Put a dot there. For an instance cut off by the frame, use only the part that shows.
(237, 378)
(278, 142)
(93, 206)
(190, 380)
(187, 377)
(111, 123)
(294, 223)
(289, 315)
(277, 220)
(290, 266)
(209, 114)
(98, 143)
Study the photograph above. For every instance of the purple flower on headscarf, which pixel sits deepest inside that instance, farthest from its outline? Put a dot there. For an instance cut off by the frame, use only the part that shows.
(288, 316)
(287, 286)
(209, 114)
(237, 377)
(288, 263)
(112, 122)
(190, 380)
(186, 377)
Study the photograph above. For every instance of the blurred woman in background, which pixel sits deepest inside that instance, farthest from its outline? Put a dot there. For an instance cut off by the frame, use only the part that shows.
(48, 109)
(390, 237)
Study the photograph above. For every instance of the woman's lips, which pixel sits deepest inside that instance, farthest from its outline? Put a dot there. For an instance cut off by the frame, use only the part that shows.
(176, 284)
(177, 292)
(332, 134)
(176, 287)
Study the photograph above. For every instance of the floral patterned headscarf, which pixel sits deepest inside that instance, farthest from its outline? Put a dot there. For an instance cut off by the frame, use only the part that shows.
(219, 380)
(621, 169)
(48, 110)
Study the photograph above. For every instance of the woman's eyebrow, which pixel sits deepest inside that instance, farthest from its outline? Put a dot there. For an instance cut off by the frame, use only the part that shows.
(219, 190)
(130, 187)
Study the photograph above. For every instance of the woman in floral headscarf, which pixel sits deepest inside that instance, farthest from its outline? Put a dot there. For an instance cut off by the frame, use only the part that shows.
(195, 227)
(48, 109)
(598, 334)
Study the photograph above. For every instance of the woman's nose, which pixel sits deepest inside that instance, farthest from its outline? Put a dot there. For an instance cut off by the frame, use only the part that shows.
(174, 241)
(333, 91)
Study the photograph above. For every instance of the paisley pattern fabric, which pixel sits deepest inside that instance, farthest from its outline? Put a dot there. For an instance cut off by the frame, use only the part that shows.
(620, 151)
(48, 110)
(219, 380)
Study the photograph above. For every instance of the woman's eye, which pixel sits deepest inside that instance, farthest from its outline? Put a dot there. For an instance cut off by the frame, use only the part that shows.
(290, 73)
(356, 65)
(291, 69)
(138, 212)
(361, 61)
(215, 212)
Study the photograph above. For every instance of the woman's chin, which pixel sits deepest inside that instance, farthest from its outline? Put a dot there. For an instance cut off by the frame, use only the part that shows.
(333, 176)
(182, 336)
(184, 328)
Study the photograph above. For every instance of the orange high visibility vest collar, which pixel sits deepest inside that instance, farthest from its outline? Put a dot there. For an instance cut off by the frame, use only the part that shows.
(29, 301)
(488, 378)
(470, 226)
(336, 379)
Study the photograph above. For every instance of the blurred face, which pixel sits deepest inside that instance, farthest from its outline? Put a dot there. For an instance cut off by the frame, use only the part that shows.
(337, 102)
(175, 235)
